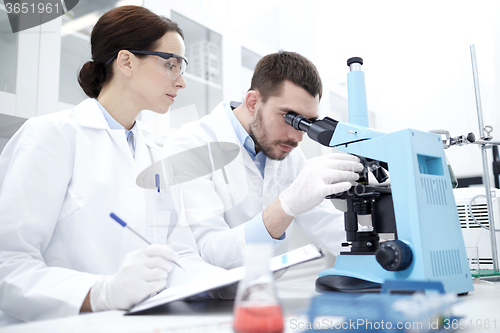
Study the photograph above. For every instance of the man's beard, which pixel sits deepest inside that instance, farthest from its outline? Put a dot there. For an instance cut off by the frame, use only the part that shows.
(262, 142)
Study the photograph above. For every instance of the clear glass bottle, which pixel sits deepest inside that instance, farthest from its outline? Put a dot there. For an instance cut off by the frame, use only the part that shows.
(256, 308)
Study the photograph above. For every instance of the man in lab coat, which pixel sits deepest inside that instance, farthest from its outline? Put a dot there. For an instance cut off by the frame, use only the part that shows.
(256, 197)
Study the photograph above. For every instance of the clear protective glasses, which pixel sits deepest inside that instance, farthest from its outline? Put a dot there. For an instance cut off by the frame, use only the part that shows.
(174, 64)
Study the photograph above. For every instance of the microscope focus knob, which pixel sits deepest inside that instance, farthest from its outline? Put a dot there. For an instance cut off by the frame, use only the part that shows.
(393, 255)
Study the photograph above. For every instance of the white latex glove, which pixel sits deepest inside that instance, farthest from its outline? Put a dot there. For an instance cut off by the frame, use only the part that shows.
(321, 176)
(142, 273)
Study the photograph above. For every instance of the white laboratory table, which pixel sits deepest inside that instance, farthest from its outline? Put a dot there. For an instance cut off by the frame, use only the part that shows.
(480, 311)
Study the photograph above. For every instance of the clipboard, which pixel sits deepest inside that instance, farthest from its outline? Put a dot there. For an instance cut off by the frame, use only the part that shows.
(225, 278)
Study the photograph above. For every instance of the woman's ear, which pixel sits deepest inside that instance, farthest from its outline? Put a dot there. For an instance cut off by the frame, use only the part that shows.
(124, 61)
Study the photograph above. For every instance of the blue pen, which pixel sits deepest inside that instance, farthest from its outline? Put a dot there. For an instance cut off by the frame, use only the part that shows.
(157, 182)
(123, 224)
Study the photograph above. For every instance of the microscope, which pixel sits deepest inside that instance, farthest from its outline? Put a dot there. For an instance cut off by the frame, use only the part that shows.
(417, 209)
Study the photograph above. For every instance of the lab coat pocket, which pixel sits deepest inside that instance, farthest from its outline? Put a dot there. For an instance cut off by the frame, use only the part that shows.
(160, 216)
(160, 201)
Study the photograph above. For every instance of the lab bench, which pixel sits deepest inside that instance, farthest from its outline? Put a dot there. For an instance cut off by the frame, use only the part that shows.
(479, 310)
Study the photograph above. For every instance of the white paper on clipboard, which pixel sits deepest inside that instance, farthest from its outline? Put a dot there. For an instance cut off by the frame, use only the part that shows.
(225, 278)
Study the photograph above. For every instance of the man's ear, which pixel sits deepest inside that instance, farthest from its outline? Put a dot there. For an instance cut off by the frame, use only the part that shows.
(124, 62)
(252, 99)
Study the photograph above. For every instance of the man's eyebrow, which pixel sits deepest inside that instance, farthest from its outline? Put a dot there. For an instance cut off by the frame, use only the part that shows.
(286, 110)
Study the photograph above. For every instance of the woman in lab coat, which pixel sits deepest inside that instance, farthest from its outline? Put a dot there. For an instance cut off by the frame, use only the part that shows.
(61, 175)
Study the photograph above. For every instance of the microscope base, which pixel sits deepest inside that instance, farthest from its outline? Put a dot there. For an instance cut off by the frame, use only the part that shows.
(362, 273)
(347, 284)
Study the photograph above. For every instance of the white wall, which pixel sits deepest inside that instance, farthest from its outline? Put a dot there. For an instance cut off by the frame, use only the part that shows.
(417, 57)
(417, 63)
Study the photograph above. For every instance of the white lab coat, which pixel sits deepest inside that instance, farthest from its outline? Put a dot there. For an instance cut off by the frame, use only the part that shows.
(61, 175)
(218, 211)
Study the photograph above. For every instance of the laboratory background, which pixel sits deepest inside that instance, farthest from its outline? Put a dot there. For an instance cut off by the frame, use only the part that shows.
(416, 59)
(417, 65)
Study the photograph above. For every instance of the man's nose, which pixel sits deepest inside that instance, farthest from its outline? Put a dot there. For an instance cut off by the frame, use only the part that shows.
(296, 135)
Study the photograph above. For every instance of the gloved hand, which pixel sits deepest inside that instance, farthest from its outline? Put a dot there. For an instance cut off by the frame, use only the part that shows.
(142, 273)
(321, 176)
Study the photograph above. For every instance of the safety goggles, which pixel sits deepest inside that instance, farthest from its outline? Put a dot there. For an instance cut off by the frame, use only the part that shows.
(174, 64)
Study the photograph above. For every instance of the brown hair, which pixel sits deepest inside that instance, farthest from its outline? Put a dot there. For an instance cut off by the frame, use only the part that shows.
(121, 28)
(275, 68)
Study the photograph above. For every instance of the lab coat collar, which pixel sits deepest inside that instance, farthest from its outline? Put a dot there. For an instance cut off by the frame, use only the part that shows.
(89, 115)
(225, 132)
(222, 124)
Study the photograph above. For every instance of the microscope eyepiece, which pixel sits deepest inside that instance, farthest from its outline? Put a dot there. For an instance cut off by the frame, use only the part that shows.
(319, 130)
(354, 60)
(297, 121)
(354, 64)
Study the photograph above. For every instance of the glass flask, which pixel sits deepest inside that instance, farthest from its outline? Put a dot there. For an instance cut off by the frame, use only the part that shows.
(256, 308)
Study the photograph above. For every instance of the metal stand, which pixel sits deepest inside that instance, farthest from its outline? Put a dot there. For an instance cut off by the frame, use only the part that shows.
(485, 132)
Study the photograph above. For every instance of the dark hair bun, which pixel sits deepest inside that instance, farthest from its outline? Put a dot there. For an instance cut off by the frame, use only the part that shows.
(91, 78)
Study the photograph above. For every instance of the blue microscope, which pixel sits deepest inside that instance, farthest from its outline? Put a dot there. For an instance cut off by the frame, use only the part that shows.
(417, 208)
